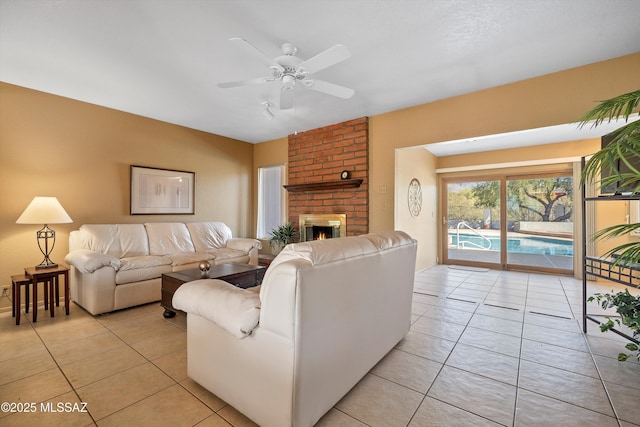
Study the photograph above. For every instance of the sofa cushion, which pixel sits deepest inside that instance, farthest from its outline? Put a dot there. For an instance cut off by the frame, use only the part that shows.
(141, 274)
(134, 263)
(117, 240)
(101, 238)
(135, 269)
(209, 235)
(234, 309)
(168, 238)
(189, 257)
(133, 240)
(226, 254)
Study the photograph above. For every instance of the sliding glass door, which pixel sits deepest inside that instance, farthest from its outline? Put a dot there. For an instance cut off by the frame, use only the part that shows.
(540, 222)
(472, 222)
(519, 222)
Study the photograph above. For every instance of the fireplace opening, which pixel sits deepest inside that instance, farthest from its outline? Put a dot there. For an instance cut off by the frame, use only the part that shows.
(319, 232)
(322, 226)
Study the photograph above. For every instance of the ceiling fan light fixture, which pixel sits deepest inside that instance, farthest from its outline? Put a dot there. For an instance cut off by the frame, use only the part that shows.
(288, 82)
(266, 112)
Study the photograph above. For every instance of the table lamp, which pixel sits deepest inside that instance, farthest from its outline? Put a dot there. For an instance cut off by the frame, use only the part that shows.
(45, 210)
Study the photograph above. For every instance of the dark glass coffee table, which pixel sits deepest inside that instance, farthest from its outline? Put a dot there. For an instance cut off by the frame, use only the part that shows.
(241, 275)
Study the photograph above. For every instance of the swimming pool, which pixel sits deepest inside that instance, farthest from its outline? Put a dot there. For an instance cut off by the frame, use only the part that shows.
(522, 244)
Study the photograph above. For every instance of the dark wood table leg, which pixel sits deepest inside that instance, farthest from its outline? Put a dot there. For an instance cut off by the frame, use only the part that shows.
(168, 314)
(53, 282)
(16, 301)
(66, 292)
(57, 279)
(13, 299)
(26, 297)
(45, 289)
(34, 283)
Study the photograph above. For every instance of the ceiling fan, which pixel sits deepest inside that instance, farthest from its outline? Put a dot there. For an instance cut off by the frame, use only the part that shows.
(289, 70)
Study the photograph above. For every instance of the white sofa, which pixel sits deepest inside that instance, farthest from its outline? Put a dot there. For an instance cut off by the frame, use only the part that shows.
(115, 266)
(327, 311)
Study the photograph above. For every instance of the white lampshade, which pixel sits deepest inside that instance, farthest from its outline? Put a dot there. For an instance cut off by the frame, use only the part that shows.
(44, 210)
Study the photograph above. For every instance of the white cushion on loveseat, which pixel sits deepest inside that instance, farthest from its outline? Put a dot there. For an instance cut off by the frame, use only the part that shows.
(134, 269)
(117, 240)
(168, 238)
(209, 235)
(189, 258)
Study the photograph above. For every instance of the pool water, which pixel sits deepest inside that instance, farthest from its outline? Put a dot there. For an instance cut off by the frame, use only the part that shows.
(527, 245)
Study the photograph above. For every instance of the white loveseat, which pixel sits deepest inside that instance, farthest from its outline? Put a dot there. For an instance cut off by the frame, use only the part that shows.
(115, 266)
(326, 313)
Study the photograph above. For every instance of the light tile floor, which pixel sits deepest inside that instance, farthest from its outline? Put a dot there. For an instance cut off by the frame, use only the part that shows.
(485, 348)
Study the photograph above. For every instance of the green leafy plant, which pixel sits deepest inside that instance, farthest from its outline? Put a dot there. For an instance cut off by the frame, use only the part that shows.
(623, 148)
(628, 307)
(283, 235)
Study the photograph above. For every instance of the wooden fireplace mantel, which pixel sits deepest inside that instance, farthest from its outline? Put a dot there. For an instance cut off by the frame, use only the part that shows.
(325, 185)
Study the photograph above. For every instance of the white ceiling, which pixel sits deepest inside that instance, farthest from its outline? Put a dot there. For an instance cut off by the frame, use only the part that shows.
(163, 58)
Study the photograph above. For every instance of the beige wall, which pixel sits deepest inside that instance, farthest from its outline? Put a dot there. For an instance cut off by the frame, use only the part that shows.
(420, 164)
(553, 99)
(81, 154)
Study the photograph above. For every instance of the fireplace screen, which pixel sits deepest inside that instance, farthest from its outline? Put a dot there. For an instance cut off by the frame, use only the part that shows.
(322, 226)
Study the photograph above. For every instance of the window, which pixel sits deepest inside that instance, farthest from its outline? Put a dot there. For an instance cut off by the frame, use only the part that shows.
(271, 207)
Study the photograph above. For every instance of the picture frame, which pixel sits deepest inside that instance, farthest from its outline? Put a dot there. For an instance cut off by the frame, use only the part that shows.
(156, 191)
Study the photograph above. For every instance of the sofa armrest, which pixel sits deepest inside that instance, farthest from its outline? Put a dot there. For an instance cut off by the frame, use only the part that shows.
(248, 246)
(234, 309)
(243, 244)
(86, 261)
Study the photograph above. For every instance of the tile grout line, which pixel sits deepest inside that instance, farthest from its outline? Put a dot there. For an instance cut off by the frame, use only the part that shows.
(466, 325)
(59, 367)
(165, 373)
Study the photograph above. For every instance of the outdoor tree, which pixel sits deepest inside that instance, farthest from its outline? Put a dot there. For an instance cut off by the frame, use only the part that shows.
(526, 197)
(460, 205)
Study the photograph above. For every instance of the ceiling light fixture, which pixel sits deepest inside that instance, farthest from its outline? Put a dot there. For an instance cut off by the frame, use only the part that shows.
(266, 111)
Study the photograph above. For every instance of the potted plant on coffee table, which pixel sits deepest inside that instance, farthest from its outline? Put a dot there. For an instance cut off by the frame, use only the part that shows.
(282, 236)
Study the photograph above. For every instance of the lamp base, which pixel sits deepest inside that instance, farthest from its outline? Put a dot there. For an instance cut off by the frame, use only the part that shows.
(44, 235)
(43, 265)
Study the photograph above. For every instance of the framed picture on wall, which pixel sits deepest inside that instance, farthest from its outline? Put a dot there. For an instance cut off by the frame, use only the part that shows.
(161, 191)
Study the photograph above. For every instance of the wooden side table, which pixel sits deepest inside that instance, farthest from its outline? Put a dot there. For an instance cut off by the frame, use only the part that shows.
(16, 282)
(265, 259)
(50, 277)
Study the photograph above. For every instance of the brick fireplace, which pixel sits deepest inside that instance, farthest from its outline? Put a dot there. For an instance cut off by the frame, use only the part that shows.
(316, 159)
(322, 226)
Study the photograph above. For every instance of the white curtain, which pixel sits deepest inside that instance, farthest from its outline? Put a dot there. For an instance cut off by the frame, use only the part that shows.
(270, 199)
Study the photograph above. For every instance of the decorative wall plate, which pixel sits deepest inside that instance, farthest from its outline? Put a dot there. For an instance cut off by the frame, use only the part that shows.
(415, 197)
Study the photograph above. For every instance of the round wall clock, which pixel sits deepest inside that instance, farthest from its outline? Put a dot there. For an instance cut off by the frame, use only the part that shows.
(415, 198)
(345, 175)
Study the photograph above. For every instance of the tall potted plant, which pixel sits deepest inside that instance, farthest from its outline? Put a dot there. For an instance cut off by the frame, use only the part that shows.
(623, 148)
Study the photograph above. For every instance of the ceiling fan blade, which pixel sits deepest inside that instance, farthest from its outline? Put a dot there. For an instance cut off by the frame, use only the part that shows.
(255, 52)
(287, 98)
(329, 88)
(249, 82)
(329, 57)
